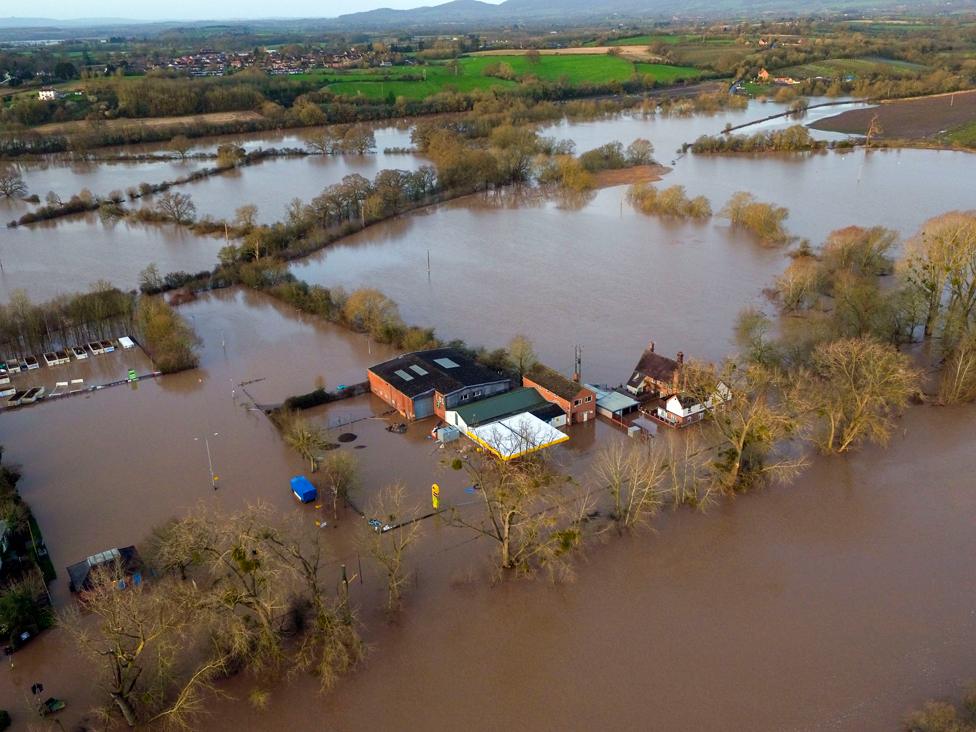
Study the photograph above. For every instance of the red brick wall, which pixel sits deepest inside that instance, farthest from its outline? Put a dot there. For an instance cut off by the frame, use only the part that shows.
(574, 413)
(400, 402)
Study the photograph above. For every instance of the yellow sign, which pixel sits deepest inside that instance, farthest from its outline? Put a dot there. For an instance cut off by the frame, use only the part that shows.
(435, 492)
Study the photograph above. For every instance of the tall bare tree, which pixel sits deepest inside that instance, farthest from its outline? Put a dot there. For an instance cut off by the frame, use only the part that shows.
(12, 183)
(633, 475)
(388, 543)
(521, 354)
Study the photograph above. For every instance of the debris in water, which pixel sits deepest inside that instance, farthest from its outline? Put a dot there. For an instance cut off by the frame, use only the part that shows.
(347, 437)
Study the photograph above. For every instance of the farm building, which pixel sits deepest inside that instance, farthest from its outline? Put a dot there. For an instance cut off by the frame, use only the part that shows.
(577, 401)
(656, 374)
(426, 383)
(120, 564)
(517, 401)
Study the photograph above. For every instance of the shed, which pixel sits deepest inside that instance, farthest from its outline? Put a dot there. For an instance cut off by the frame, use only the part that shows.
(303, 489)
(613, 404)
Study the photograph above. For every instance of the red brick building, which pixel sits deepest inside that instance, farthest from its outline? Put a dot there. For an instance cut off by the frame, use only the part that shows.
(576, 400)
(426, 383)
(656, 374)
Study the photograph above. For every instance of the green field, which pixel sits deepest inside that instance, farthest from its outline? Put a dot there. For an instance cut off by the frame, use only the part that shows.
(838, 67)
(965, 135)
(668, 38)
(576, 69)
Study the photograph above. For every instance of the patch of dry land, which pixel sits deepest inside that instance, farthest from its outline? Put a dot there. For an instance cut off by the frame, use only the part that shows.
(628, 176)
(65, 128)
(908, 119)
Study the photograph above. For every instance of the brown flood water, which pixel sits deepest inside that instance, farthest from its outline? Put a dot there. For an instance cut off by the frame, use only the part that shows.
(836, 603)
(68, 255)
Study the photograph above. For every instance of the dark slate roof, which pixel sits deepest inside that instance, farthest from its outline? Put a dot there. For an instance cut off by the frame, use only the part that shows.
(425, 371)
(554, 381)
(654, 365)
(79, 575)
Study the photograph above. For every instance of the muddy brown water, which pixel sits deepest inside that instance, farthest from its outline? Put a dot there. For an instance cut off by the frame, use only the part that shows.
(68, 255)
(836, 603)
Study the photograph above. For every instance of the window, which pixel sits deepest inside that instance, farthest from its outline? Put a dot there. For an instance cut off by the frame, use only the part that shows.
(577, 402)
(589, 399)
(445, 363)
(403, 375)
(464, 397)
(477, 393)
(419, 371)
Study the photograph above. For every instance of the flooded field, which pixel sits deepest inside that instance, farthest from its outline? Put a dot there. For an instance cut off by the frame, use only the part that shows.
(272, 184)
(70, 254)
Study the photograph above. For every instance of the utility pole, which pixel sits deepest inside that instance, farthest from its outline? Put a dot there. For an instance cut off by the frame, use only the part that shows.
(206, 442)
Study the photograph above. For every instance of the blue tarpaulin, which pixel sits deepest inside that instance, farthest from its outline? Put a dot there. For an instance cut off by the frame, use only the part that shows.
(303, 489)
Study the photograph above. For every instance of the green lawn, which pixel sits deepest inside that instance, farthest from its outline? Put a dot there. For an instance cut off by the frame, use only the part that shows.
(838, 67)
(965, 135)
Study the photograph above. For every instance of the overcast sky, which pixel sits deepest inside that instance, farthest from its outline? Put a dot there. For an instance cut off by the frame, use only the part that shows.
(198, 9)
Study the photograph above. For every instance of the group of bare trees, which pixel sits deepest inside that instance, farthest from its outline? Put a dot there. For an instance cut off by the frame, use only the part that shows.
(239, 594)
(31, 328)
(342, 139)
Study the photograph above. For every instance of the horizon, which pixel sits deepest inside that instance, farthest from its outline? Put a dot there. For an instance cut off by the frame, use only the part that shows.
(217, 10)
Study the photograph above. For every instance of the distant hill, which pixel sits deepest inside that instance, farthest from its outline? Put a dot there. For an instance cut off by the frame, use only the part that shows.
(14, 22)
(463, 12)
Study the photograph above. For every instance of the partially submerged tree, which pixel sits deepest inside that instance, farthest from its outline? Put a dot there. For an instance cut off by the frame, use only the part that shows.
(307, 439)
(150, 647)
(12, 183)
(749, 421)
(340, 475)
(859, 386)
(177, 207)
(763, 219)
(388, 543)
(181, 145)
(634, 477)
(532, 522)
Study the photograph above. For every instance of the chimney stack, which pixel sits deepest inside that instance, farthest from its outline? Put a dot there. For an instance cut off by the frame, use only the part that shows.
(681, 357)
(651, 347)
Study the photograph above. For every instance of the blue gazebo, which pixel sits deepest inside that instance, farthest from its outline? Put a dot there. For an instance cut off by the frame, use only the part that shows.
(303, 489)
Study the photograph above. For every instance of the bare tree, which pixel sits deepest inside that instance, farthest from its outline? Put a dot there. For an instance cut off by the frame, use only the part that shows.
(340, 476)
(323, 141)
(245, 217)
(306, 439)
(633, 475)
(177, 207)
(12, 183)
(387, 544)
(154, 659)
(958, 380)
(749, 418)
(181, 145)
(531, 521)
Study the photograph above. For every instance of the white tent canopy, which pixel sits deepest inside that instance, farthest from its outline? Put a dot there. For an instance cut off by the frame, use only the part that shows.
(516, 436)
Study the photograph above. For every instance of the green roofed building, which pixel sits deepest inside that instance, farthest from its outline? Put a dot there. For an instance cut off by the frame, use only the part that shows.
(495, 408)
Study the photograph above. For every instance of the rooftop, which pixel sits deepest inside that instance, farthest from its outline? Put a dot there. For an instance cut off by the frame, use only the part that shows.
(554, 381)
(516, 436)
(654, 365)
(612, 401)
(442, 369)
(127, 559)
(524, 399)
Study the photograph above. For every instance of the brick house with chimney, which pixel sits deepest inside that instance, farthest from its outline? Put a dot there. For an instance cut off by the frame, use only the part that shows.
(576, 400)
(656, 375)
